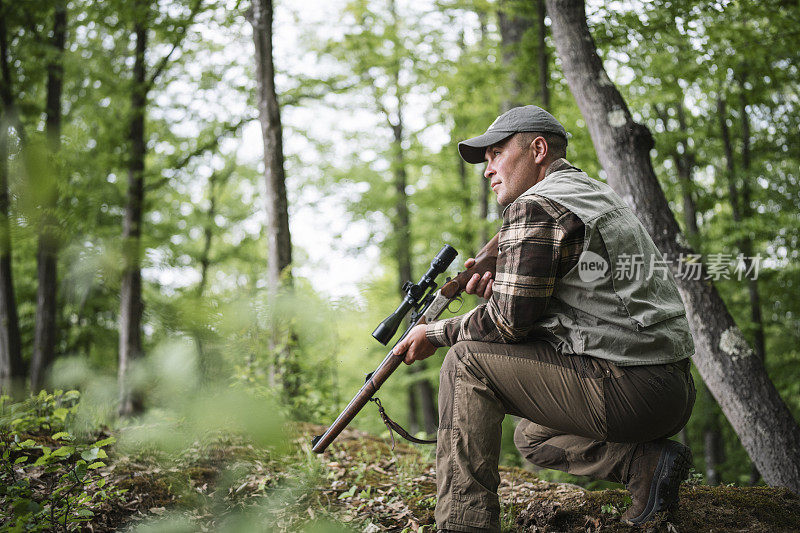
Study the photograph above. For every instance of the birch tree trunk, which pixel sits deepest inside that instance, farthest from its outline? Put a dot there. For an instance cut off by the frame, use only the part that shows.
(11, 367)
(131, 305)
(279, 256)
(735, 376)
(44, 340)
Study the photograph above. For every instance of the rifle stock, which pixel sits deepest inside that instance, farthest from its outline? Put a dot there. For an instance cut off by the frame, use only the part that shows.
(486, 260)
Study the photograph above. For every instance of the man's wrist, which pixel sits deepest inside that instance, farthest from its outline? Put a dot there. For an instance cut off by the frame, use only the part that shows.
(435, 333)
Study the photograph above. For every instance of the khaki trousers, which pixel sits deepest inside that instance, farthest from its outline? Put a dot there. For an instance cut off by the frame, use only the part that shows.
(581, 414)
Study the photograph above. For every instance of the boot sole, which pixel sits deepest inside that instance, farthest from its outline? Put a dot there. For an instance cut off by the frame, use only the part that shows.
(673, 468)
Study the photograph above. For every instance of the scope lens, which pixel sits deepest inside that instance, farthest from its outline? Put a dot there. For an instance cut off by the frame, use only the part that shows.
(443, 258)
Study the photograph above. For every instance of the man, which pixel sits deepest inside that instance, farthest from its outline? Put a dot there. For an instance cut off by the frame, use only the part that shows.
(584, 336)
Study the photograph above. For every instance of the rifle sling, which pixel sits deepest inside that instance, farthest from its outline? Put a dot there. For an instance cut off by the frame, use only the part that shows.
(392, 425)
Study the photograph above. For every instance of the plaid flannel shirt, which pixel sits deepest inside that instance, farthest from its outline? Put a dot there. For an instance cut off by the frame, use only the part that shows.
(540, 241)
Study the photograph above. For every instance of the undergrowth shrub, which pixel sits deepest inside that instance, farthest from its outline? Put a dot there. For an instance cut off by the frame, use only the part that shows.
(49, 478)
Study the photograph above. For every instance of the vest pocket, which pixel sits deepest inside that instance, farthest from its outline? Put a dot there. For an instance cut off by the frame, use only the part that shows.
(638, 270)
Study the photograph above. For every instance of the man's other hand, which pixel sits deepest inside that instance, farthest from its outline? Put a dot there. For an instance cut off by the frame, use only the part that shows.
(415, 345)
(477, 284)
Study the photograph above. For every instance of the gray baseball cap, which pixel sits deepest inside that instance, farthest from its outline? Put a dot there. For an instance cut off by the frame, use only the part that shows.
(518, 119)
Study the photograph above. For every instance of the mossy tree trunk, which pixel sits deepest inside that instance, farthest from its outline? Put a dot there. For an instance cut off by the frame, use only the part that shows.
(728, 365)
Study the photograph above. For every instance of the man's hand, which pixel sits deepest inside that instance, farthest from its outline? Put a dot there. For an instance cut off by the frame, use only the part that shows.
(415, 345)
(479, 285)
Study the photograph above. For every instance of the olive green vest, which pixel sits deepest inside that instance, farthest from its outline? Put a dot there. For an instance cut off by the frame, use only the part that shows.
(610, 305)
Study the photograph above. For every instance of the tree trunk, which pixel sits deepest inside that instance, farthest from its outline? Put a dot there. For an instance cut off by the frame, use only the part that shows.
(747, 248)
(466, 206)
(712, 447)
(544, 60)
(12, 370)
(735, 376)
(741, 211)
(203, 365)
(513, 26)
(685, 164)
(131, 305)
(279, 254)
(278, 236)
(747, 242)
(420, 393)
(44, 340)
(483, 185)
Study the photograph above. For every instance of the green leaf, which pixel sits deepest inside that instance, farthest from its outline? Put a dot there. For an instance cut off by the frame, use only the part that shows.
(80, 469)
(61, 435)
(64, 451)
(60, 413)
(348, 494)
(105, 442)
(96, 465)
(29, 443)
(21, 459)
(90, 455)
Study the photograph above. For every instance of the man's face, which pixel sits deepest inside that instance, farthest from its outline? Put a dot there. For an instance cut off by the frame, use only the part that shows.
(511, 170)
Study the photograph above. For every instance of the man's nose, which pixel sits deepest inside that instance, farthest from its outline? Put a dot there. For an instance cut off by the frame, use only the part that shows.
(489, 172)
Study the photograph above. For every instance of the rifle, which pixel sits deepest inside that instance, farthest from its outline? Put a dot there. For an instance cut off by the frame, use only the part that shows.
(427, 304)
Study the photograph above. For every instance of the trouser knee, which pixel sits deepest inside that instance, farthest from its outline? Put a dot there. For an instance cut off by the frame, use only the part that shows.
(535, 449)
(524, 443)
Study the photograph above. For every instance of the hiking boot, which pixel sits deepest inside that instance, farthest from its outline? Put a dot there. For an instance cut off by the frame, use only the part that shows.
(655, 475)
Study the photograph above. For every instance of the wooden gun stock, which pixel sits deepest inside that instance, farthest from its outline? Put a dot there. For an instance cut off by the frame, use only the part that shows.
(486, 260)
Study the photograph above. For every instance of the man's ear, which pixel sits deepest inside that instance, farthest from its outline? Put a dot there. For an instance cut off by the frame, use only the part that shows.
(540, 149)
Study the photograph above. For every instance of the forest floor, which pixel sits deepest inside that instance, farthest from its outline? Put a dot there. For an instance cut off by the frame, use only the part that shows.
(361, 484)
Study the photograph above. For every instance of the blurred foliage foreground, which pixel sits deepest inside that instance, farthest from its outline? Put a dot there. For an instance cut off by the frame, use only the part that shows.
(233, 464)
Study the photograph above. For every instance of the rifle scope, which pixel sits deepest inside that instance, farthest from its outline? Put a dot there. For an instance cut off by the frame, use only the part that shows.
(414, 294)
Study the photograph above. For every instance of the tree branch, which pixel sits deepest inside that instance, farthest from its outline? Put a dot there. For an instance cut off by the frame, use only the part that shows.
(179, 35)
(199, 150)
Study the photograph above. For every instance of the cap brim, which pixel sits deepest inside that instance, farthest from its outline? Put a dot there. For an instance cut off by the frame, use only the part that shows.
(474, 150)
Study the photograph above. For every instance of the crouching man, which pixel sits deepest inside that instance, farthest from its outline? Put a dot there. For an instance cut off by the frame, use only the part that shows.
(584, 336)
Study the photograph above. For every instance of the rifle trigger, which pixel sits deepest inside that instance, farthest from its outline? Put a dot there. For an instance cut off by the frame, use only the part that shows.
(460, 301)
